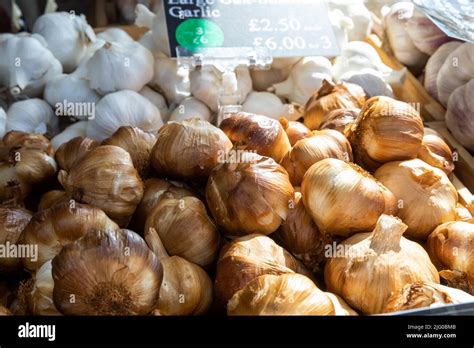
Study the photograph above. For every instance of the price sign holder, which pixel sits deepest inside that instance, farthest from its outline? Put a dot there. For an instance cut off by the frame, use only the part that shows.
(225, 60)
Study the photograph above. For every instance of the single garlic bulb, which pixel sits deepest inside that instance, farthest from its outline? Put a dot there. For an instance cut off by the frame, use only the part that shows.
(51, 198)
(189, 149)
(246, 258)
(137, 143)
(425, 34)
(339, 119)
(331, 97)
(434, 64)
(344, 199)
(185, 229)
(32, 116)
(322, 144)
(191, 108)
(207, 84)
(26, 159)
(186, 288)
(53, 228)
(117, 66)
(68, 36)
(295, 130)
(386, 130)
(457, 70)
(158, 100)
(77, 129)
(427, 198)
(371, 82)
(284, 294)
(249, 194)
(306, 76)
(268, 104)
(425, 294)
(451, 249)
(26, 65)
(460, 115)
(13, 220)
(65, 92)
(397, 32)
(171, 80)
(72, 151)
(106, 178)
(107, 273)
(123, 108)
(385, 262)
(436, 152)
(155, 190)
(40, 298)
(300, 236)
(257, 133)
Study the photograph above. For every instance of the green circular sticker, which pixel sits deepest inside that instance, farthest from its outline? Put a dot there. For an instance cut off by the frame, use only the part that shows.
(197, 33)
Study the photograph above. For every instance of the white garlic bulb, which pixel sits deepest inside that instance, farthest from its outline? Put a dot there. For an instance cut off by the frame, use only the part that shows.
(370, 80)
(77, 129)
(191, 108)
(305, 78)
(114, 34)
(123, 108)
(360, 15)
(341, 25)
(456, 71)
(26, 65)
(70, 89)
(32, 116)
(156, 23)
(3, 122)
(435, 63)
(158, 100)
(207, 84)
(171, 81)
(268, 104)
(396, 29)
(68, 36)
(148, 42)
(117, 66)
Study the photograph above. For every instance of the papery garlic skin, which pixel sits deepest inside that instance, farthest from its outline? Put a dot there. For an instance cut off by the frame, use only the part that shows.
(32, 116)
(68, 36)
(344, 199)
(258, 133)
(122, 283)
(246, 258)
(78, 129)
(460, 115)
(33, 65)
(385, 261)
(206, 85)
(451, 248)
(249, 194)
(306, 77)
(268, 104)
(285, 294)
(116, 66)
(73, 150)
(123, 108)
(190, 108)
(457, 70)
(425, 295)
(426, 196)
(40, 298)
(114, 34)
(434, 65)
(189, 149)
(53, 228)
(436, 153)
(170, 80)
(64, 89)
(295, 130)
(106, 178)
(51, 198)
(322, 144)
(340, 306)
(371, 82)
(339, 119)
(158, 100)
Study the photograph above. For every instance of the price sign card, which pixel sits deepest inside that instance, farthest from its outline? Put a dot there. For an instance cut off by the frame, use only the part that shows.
(288, 28)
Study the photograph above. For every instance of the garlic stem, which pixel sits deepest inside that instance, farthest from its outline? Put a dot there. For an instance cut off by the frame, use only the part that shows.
(154, 242)
(387, 234)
